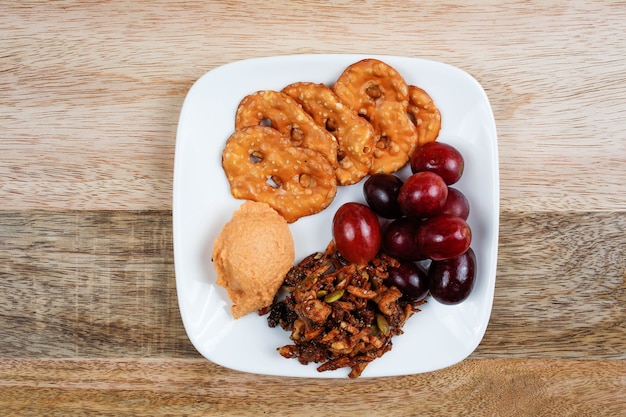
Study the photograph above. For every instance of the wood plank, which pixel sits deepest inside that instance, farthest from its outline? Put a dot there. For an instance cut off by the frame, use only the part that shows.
(92, 92)
(76, 284)
(101, 284)
(497, 387)
(560, 287)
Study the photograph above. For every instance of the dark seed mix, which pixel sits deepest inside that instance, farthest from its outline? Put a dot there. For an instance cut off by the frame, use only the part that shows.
(339, 314)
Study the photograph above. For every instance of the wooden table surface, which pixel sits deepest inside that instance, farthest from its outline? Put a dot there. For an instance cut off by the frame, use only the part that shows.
(90, 98)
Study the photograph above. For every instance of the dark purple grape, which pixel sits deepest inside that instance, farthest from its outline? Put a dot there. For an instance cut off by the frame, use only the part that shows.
(381, 194)
(452, 280)
(411, 279)
(456, 204)
(399, 239)
(440, 158)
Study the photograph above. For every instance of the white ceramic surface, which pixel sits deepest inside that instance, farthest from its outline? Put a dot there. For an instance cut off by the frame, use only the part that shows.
(436, 337)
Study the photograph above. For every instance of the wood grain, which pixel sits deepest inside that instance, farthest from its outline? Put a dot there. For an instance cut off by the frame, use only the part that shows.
(90, 94)
(560, 287)
(494, 387)
(101, 284)
(85, 284)
(92, 90)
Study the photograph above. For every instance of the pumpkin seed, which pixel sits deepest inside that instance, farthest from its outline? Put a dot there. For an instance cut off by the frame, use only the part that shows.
(382, 324)
(334, 296)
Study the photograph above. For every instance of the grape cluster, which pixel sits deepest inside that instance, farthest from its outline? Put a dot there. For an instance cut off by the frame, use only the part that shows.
(425, 228)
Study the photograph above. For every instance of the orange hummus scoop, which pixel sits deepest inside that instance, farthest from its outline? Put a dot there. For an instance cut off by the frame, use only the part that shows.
(252, 254)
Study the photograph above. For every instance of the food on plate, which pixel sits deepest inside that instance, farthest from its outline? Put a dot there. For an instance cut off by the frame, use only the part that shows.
(425, 115)
(456, 204)
(440, 158)
(423, 194)
(356, 233)
(369, 121)
(251, 255)
(340, 315)
(377, 92)
(452, 280)
(344, 306)
(287, 116)
(381, 193)
(443, 237)
(411, 279)
(399, 239)
(262, 164)
(288, 155)
(355, 136)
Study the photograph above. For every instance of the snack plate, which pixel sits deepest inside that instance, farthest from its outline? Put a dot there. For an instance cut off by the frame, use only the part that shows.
(436, 337)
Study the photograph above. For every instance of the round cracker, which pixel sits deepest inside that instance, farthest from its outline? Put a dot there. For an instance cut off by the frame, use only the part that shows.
(262, 165)
(377, 92)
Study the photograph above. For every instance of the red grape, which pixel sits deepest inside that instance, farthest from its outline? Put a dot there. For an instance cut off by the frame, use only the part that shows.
(356, 232)
(423, 195)
(440, 158)
(443, 237)
(381, 193)
(411, 279)
(399, 239)
(452, 280)
(456, 204)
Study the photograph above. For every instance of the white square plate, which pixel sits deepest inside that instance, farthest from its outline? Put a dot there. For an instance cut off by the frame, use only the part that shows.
(434, 338)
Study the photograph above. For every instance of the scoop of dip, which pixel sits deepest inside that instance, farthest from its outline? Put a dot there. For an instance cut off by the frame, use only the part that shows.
(252, 254)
